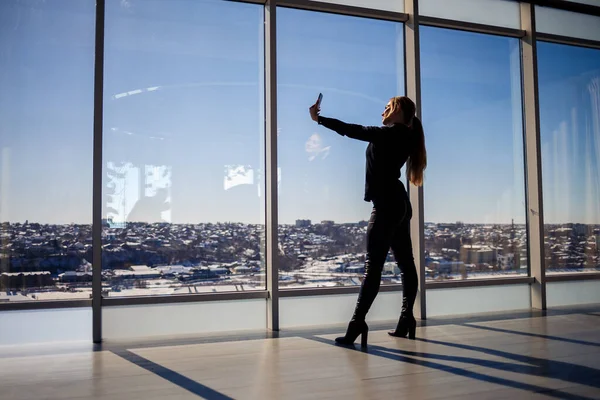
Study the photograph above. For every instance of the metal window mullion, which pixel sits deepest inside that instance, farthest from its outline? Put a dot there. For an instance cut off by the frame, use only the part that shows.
(570, 277)
(567, 40)
(533, 163)
(97, 174)
(43, 304)
(470, 26)
(272, 267)
(262, 2)
(565, 5)
(413, 90)
(343, 9)
(184, 298)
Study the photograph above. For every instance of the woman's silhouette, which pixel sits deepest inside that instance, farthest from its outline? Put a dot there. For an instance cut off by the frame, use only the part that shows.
(400, 141)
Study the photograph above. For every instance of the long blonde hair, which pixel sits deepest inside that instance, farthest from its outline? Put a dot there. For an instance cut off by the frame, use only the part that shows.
(417, 160)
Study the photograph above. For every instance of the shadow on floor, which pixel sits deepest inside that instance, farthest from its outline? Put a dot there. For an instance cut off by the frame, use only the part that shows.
(176, 378)
(563, 371)
(537, 335)
(406, 357)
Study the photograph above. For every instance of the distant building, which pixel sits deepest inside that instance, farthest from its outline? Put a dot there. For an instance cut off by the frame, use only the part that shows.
(580, 229)
(242, 269)
(75, 276)
(449, 226)
(24, 280)
(477, 254)
(303, 223)
(173, 270)
(447, 267)
(563, 232)
(219, 270)
(137, 272)
(391, 267)
(358, 269)
(448, 241)
(327, 223)
(506, 261)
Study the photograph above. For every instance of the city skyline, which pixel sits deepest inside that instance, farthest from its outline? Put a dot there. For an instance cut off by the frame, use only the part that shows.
(176, 102)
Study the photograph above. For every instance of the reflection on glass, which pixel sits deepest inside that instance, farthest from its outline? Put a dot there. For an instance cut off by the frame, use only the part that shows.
(183, 148)
(504, 13)
(386, 5)
(125, 202)
(566, 23)
(569, 81)
(358, 66)
(474, 182)
(238, 175)
(46, 119)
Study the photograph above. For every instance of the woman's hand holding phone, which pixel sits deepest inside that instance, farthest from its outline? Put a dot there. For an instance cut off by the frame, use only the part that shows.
(315, 109)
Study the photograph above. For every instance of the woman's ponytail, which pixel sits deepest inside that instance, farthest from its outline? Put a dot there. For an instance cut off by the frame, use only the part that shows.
(417, 161)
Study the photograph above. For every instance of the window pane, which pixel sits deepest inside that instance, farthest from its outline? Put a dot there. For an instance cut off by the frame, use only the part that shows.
(474, 182)
(183, 147)
(569, 82)
(575, 293)
(565, 23)
(386, 5)
(145, 321)
(444, 302)
(46, 138)
(23, 328)
(357, 64)
(296, 312)
(505, 13)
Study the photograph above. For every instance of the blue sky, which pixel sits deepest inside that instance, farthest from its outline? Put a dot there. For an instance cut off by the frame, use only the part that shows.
(183, 115)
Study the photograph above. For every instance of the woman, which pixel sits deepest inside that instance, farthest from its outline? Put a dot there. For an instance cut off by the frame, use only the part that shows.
(401, 140)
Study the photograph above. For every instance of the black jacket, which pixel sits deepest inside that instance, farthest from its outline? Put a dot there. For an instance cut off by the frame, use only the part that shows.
(389, 148)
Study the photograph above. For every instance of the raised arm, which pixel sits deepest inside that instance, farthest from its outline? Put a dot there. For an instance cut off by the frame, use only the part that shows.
(354, 131)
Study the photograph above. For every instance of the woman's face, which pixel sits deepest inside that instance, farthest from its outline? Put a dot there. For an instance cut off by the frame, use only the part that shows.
(389, 115)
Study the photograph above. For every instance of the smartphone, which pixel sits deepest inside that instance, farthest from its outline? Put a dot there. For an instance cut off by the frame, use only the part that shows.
(319, 100)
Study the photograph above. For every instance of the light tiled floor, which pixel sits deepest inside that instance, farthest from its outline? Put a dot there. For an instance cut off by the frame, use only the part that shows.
(529, 358)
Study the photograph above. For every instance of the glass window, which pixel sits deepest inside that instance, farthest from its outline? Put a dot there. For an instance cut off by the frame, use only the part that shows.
(184, 319)
(385, 5)
(22, 328)
(574, 293)
(565, 23)
(474, 184)
(46, 139)
(504, 13)
(183, 147)
(496, 298)
(357, 64)
(569, 87)
(296, 312)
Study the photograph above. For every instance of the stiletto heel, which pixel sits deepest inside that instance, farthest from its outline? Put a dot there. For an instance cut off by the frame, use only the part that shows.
(355, 329)
(363, 337)
(411, 332)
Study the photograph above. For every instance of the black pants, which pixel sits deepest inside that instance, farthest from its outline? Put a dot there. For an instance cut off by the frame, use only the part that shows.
(389, 227)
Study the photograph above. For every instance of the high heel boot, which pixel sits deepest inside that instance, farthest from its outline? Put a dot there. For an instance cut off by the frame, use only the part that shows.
(407, 325)
(356, 328)
(366, 296)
